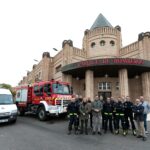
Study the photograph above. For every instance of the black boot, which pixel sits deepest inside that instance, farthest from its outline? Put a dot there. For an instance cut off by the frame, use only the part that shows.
(69, 132)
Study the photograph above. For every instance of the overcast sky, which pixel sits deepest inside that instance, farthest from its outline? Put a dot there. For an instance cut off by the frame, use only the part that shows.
(30, 27)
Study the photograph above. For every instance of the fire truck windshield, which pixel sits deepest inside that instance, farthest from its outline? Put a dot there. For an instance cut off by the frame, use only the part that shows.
(61, 88)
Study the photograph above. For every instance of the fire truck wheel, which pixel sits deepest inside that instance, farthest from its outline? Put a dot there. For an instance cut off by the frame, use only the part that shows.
(21, 112)
(42, 114)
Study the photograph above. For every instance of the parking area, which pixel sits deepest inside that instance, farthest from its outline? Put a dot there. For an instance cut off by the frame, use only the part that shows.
(31, 134)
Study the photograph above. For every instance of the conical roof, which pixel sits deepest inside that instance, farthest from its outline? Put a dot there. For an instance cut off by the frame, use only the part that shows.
(101, 21)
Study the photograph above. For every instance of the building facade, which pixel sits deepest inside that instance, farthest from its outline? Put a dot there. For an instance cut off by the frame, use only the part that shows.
(102, 67)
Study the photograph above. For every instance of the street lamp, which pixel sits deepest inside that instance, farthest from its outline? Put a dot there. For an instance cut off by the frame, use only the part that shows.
(55, 49)
(36, 60)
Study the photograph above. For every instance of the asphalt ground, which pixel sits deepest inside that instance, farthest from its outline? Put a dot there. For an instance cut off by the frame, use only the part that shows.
(30, 134)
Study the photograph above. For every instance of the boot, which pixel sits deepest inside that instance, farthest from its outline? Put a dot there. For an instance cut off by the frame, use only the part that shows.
(134, 132)
(69, 132)
(117, 132)
(124, 133)
(76, 132)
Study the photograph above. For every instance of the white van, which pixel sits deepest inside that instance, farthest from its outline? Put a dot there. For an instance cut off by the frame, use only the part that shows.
(8, 110)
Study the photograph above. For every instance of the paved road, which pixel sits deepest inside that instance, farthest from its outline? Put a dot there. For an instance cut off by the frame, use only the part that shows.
(30, 134)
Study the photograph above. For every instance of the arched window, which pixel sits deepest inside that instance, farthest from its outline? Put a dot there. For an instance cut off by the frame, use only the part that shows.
(102, 43)
(93, 44)
(112, 43)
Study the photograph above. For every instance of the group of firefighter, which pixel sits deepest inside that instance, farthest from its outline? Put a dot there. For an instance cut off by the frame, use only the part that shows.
(104, 114)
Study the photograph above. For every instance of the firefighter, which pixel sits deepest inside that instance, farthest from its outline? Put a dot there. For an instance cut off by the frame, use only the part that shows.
(78, 100)
(96, 111)
(119, 116)
(113, 103)
(108, 112)
(72, 111)
(128, 105)
(84, 110)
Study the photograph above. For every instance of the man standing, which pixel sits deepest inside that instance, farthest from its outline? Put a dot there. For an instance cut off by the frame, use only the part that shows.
(84, 115)
(78, 100)
(72, 111)
(146, 111)
(119, 116)
(139, 118)
(96, 111)
(128, 106)
(108, 112)
(90, 111)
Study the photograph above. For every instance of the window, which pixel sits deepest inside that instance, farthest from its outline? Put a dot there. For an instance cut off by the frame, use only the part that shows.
(36, 90)
(47, 89)
(93, 44)
(104, 86)
(102, 43)
(6, 99)
(58, 68)
(41, 90)
(117, 85)
(61, 88)
(112, 43)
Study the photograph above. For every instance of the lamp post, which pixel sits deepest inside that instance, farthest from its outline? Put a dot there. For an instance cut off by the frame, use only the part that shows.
(55, 49)
(36, 60)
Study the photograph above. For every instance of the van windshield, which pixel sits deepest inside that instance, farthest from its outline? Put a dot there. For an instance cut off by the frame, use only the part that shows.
(6, 99)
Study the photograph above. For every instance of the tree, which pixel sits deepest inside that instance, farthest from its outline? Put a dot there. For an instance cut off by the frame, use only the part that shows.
(9, 87)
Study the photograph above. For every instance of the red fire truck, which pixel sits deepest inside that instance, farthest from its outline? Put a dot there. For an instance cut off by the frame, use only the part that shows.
(44, 98)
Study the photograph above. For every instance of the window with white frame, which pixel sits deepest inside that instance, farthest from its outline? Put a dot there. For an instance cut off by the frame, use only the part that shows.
(104, 85)
(117, 85)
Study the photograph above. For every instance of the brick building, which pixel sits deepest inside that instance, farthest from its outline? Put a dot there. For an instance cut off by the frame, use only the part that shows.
(102, 66)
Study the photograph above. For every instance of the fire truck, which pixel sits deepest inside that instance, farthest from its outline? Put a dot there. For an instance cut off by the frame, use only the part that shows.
(43, 98)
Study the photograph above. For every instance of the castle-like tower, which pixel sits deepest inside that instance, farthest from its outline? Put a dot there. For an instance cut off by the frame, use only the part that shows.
(102, 40)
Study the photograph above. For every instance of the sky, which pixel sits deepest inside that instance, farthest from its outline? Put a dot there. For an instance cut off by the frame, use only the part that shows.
(30, 27)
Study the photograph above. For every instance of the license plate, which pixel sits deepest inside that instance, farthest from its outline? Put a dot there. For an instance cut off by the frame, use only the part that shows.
(4, 120)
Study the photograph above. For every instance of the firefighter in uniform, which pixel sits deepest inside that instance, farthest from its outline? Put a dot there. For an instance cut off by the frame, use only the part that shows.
(78, 100)
(119, 116)
(84, 110)
(128, 105)
(108, 112)
(72, 111)
(113, 103)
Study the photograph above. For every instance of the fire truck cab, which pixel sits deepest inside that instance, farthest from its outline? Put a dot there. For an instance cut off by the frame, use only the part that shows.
(44, 98)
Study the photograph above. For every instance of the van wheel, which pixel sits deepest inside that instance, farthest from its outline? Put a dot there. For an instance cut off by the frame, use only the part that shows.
(42, 114)
(14, 121)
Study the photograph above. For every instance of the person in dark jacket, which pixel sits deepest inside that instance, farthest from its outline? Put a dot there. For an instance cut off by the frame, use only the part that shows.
(90, 112)
(119, 115)
(114, 103)
(108, 112)
(138, 110)
(78, 100)
(128, 106)
(72, 111)
(84, 115)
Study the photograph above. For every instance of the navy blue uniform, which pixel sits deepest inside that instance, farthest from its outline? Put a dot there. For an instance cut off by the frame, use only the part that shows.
(129, 114)
(108, 114)
(119, 116)
(72, 110)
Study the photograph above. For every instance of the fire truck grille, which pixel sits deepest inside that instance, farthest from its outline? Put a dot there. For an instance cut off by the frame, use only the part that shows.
(65, 102)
